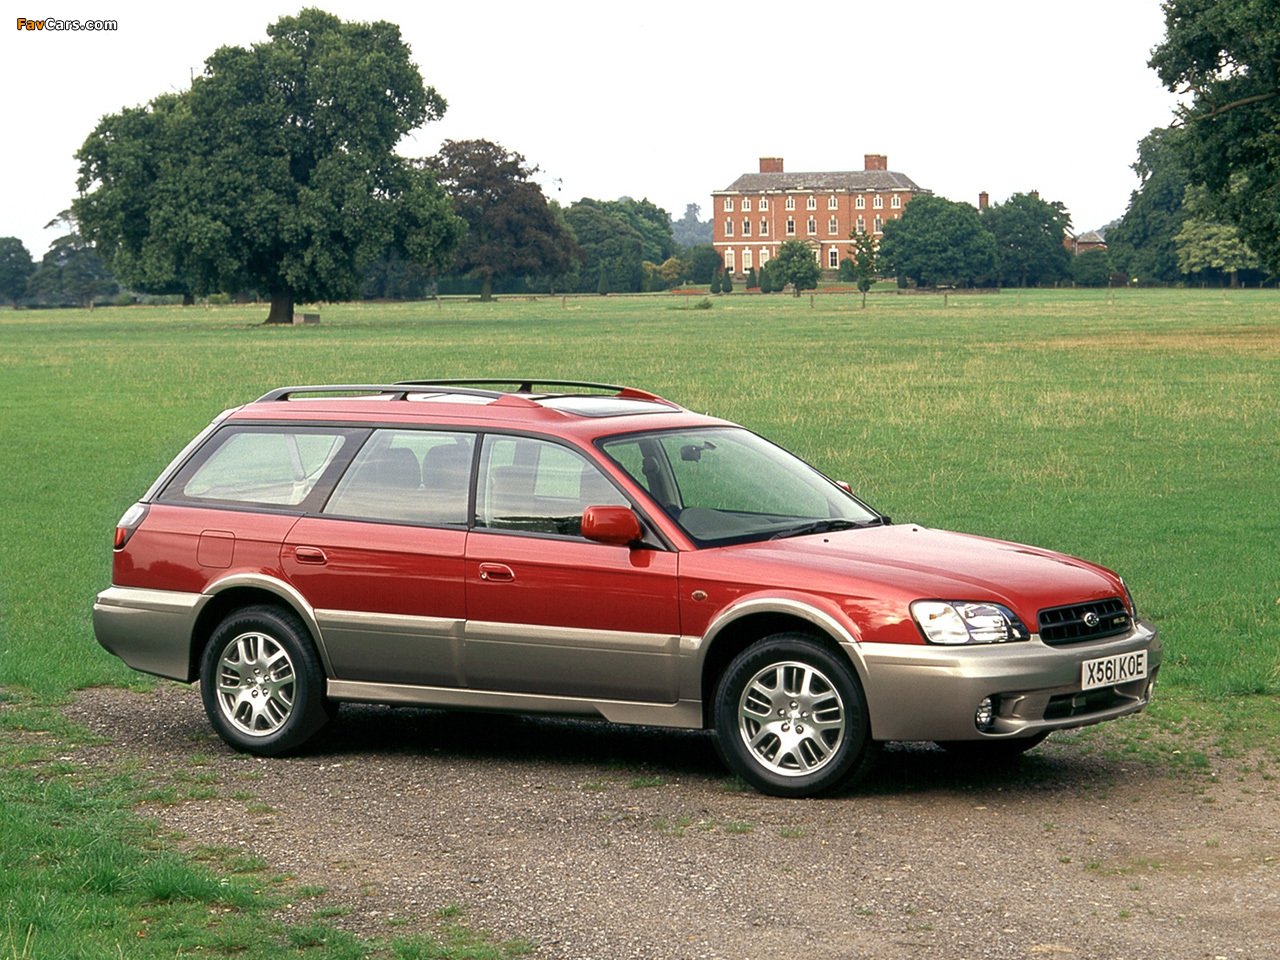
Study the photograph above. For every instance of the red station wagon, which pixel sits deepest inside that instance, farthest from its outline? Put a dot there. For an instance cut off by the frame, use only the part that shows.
(586, 550)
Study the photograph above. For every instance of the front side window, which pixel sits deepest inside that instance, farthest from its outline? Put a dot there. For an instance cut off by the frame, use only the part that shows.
(833, 258)
(833, 203)
(728, 204)
(764, 203)
(812, 203)
(813, 226)
(791, 203)
(791, 227)
(878, 202)
(746, 227)
(530, 485)
(896, 202)
(725, 484)
(860, 203)
(832, 227)
(407, 476)
(746, 204)
(764, 227)
(728, 227)
(264, 466)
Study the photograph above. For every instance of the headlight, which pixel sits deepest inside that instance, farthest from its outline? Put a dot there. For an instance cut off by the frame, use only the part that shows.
(956, 622)
(1128, 596)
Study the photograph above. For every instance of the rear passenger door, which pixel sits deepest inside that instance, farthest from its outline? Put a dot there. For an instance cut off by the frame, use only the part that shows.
(382, 563)
(550, 612)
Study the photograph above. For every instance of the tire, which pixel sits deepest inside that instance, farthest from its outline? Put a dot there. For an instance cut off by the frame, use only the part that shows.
(765, 709)
(992, 751)
(262, 683)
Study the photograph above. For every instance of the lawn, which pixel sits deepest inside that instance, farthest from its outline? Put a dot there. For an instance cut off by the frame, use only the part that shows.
(1137, 429)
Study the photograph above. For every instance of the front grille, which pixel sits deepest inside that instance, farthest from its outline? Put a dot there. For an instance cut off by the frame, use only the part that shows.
(1084, 621)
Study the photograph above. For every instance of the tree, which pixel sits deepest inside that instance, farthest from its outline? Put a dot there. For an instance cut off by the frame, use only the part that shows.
(864, 261)
(16, 266)
(673, 270)
(1205, 244)
(751, 280)
(1223, 58)
(704, 262)
(275, 171)
(1142, 243)
(609, 243)
(650, 221)
(689, 230)
(715, 282)
(1091, 268)
(795, 264)
(726, 281)
(766, 284)
(511, 229)
(1029, 235)
(71, 272)
(938, 241)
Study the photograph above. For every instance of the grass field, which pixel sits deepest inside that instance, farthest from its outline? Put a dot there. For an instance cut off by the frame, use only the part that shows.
(1138, 430)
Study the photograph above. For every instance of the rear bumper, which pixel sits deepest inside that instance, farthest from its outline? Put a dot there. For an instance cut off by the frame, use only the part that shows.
(932, 692)
(150, 630)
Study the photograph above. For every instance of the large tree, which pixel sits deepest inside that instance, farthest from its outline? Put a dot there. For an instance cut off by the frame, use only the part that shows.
(1029, 236)
(1209, 247)
(1223, 58)
(71, 272)
(511, 229)
(1142, 244)
(274, 172)
(938, 241)
(611, 244)
(689, 230)
(16, 266)
(795, 264)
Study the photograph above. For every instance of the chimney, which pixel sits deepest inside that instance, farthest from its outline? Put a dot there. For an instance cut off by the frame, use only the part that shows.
(876, 161)
(983, 200)
(770, 164)
(1035, 194)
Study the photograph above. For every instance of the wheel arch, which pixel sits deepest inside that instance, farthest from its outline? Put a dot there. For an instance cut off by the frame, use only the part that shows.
(736, 629)
(235, 593)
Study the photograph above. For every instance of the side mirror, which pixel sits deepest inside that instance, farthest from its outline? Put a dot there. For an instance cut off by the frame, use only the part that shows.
(616, 525)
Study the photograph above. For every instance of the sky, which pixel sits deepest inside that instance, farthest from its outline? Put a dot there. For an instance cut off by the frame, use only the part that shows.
(661, 102)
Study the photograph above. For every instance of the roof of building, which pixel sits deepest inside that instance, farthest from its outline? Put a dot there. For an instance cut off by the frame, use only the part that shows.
(847, 180)
(1091, 237)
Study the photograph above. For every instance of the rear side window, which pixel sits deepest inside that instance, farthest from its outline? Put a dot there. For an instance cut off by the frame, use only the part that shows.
(408, 476)
(264, 466)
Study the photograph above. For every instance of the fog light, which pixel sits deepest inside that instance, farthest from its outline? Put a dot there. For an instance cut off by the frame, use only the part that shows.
(985, 715)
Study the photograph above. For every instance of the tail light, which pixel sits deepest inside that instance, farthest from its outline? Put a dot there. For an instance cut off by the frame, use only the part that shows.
(130, 522)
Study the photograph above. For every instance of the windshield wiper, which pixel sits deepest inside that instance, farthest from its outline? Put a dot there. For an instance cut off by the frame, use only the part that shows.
(825, 526)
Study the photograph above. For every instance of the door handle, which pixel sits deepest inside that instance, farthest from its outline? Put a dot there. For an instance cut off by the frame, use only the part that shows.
(497, 573)
(309, 555)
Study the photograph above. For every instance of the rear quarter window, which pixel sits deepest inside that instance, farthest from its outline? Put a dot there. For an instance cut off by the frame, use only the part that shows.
(265, 466)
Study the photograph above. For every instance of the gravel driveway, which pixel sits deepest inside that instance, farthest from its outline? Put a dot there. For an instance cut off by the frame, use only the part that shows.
(600, 842)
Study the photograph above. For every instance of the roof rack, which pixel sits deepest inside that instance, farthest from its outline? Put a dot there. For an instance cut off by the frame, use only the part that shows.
(465, 387)
(526, 385)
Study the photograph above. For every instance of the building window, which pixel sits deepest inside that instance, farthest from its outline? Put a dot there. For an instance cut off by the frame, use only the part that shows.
(896, 202)
(861, 203)
(862, 226)
(791, 227)
(832, 227)
(746, 204)
(878, 225)
(728, 261)
(764, 203)
(791, 203)
(812, 203)
(728, 204)
(833, 203)
(878, 202)
(764, 256)
(813, 226)
(833, 258)
(746, 227)
(764, 227)
(728, 227)
(746, 259)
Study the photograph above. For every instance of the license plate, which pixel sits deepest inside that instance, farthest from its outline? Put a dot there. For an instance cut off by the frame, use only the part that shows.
(1113, 670)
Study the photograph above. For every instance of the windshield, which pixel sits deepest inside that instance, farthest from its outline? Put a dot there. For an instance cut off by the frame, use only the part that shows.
(725, 484)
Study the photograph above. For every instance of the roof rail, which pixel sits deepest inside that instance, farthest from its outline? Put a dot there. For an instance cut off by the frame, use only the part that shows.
(395, 391)
(527, 385)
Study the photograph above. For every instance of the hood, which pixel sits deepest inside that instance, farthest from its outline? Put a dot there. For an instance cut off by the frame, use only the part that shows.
(912, 562)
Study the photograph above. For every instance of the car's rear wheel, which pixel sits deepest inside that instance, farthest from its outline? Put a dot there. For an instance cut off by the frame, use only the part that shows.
(262, 682)
(791, 718)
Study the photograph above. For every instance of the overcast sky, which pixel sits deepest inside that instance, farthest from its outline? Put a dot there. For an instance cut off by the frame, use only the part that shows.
(664, 101)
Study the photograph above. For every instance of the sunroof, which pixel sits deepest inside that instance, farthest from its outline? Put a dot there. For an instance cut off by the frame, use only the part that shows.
(602, 406)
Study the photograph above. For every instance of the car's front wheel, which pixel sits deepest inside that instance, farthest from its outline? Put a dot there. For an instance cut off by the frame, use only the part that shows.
(262, 682)
(791, 718)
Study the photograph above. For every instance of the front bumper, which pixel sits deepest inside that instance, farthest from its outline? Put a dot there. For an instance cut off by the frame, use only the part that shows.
(931, 692)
